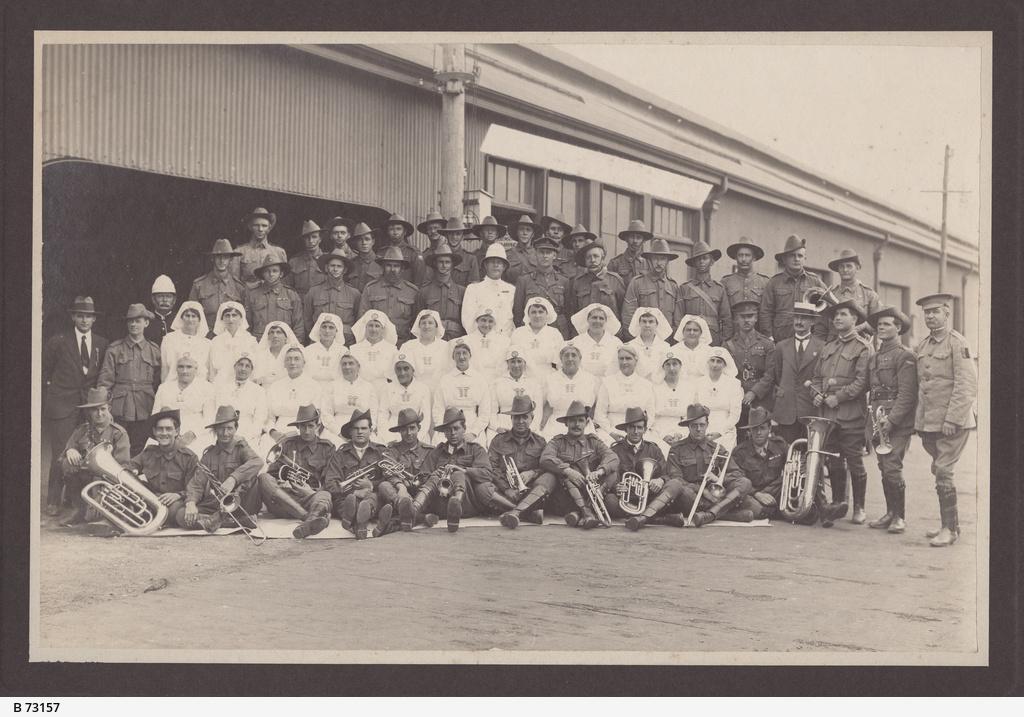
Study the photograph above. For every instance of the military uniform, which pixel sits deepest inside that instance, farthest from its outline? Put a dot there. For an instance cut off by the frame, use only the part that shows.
(362, 269)
(167, 471)
(688, 461)
(415, 270)
(631, 458)
(521, 261)
(445, 297)
(753, 356)
(267, 303)
(712, 306)
(254, 255)
(397, 300)
(552, 285)
(604, 288)
(83, 439)
(583, 454)
(333, 296)
(763, 470)
(305, 272)
(467, 271)
(159, 326)
(236, 460)
(629, 265)
(775, 318)
(865, 298)
(744, 287)
(892, 383)
(474, 467)
(343, 463)
(211, 290)
(526, 452)
(657, 293)
(131, 372)
(947, 387)
(842, 371)
(312, 497)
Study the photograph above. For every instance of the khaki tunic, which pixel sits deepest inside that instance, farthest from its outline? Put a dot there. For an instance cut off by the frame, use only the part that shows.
(645, 290)
(275, 303)
(131, 372)
(166, 471)
(628, 266)
(718, 314)
(398, 301)
(947, 382)
(332, 296)
(775, 318)
(842, 371)
(211, 291)
(305, 272)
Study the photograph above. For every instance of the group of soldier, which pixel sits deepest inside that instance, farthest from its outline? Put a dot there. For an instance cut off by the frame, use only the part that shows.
(525, 377)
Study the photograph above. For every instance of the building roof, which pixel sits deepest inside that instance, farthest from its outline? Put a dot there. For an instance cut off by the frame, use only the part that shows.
(546, 82)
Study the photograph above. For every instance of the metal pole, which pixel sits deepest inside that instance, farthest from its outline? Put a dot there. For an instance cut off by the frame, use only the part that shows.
(452, 81)
(942, 249)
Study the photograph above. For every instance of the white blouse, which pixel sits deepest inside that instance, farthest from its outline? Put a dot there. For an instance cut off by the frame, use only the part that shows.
(488, 353)
(195, 402)
(469, 391)
(284, 397)
(724, 399)
(431, 361)
(670, 404)
(394, 397)
(322, 362)
(177, 344)
(346, 397)
(269, 369)
(616, 394)
(598, 357)
(695, 361)
(225, 348)
(651, 357)
(250, 400)
(506, 389)
(561, 390)
(376, 361)
(540, 349)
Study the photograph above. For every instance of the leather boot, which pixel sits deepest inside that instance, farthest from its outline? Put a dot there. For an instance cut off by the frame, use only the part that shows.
(886, 520)
(950, 531)
(589, 520)
(572, 518)
(741, 515)
(406, 513)
(383, 521)
(636, 522)
(500, 502)
(725, 504)
(348, 512)
(534, 516)
(898, 524)
(536, 494)
(702, 517)
(860, 489)
(454, 514)
(416, 507)
(362, 520)
(315, 522)
(676, 520)
(510, 519)
(837, 479)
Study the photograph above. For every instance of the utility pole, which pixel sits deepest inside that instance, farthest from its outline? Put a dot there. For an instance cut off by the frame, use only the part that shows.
(451, 83)
(946, 191)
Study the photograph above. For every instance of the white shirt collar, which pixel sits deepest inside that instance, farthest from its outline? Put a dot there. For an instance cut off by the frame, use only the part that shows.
(79, 335)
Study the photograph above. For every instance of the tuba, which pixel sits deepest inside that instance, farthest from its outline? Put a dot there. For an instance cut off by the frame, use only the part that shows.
(123, 499)
(801, 475)
(879, 438)
(715, 472)
(821, 298)
(633, 488)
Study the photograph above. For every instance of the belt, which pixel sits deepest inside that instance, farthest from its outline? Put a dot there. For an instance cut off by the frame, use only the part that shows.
(883, 394)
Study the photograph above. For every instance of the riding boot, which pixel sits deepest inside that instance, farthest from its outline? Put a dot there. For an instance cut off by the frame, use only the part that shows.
(837, 479)
(899, 498)
(454, 513)
(362, 521)
(406, 513)
(572, 518)
(890, 510)
(950, 531)
(860, 489)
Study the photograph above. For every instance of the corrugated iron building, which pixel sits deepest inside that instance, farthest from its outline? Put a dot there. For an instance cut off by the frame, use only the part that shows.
(153, 151)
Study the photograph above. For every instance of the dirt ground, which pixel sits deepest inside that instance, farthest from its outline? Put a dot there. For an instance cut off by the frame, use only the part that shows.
(780, 588)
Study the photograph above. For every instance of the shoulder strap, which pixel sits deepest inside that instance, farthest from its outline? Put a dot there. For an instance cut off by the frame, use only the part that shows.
(702, 294)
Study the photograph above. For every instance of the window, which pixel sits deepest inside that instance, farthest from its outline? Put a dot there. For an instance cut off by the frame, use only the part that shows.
(512, 184)
(617, 208)
(898, 296)
(956, 316)
(672, 222)
(567, 196)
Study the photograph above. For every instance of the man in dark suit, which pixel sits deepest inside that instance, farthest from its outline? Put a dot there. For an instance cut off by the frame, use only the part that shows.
(793, 363)
(71, 364)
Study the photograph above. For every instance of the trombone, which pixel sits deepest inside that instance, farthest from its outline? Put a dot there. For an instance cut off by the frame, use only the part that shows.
(229, 505)
(633, 488)
(716, 469)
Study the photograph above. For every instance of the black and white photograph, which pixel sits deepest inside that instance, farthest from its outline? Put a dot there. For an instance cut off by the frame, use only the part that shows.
(511, 348)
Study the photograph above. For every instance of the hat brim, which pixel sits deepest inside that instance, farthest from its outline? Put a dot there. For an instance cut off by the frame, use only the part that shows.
(492, 258)
(400, 426)
(223, 253)
(94, 405)
(715, 254)
(768, 419)
(431, 259)
(443, 426)
(422, 226)
(831, 310)
(261, 270)
(834, 264)
(269, 216)
(128, 317)
(545, 221)
(446, 231)
(648, 236)
(502, 229)
(91, 312)
(308, 420)
(346, 429)
(174, 413)
(409, 228)
(322, 260)
(624, 426)
(732, 249)
(652, 254)
(381, 260)
(221, 423)
(565, 419)
(872, 321)
(688, 421)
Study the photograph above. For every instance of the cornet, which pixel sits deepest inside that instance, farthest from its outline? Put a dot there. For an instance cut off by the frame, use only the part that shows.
(229, 505)
(121, 497)
(445, 484)
(714, 472)
(513, 476)
(879, 438)
(395, 469)
(634, 488)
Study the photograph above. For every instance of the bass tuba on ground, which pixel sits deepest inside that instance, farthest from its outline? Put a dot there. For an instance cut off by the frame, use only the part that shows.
(121, 497)
(634, 488)
(801, 475)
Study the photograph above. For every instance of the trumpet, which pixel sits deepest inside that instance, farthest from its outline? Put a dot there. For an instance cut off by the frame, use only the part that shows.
(290, 471)
(633, 488)
(513, 476)
(879, 438)
(593, 489)
(229, 505)
(122, 498)
(715, 472)
(821, 298)
(801, 473)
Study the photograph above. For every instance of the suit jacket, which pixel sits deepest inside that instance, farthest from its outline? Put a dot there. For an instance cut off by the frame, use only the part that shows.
(64, 383)
(793, 400)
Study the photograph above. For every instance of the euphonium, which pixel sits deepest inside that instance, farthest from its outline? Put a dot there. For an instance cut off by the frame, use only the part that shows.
(879, 438)
(821, 298)
(715, 472)
(634, 488)
(513, 476)
(121, 497)
(290, 470)
(801, 474)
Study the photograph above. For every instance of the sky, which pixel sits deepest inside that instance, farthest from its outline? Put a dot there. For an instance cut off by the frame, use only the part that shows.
(874, 117)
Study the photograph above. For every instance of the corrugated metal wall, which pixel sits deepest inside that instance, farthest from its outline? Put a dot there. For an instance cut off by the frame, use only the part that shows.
(251, 116)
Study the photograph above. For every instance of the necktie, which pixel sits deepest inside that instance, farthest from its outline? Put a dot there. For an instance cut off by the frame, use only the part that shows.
(85, 356)
(799, 350)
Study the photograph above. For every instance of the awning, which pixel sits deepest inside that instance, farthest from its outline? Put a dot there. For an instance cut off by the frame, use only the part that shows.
(566, 158)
